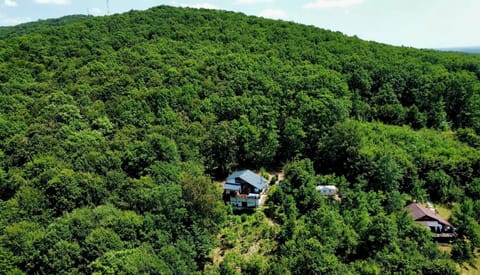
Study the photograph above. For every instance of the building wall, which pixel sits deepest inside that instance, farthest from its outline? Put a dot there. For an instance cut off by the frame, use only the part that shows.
(328, 191)
(239, 203)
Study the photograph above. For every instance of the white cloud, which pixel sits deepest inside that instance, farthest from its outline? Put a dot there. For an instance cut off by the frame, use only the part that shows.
(10, 21)
(200, 6)
(274, 14)
(10, 3)
(254, 1)
(53, 2)
(320, 4)
(95, 11)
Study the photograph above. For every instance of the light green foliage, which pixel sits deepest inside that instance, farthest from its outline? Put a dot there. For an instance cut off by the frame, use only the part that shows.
(24, 241)
(63, 257)
(140, 260)
(101, 240)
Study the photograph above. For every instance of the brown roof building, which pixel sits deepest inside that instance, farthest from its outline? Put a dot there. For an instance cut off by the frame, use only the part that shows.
(431, 220)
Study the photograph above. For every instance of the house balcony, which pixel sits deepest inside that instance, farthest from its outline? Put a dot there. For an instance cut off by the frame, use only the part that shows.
(247, 196)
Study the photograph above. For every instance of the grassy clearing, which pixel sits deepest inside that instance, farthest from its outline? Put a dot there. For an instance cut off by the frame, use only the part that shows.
(443, 211)
(248, 239)
(445, 248)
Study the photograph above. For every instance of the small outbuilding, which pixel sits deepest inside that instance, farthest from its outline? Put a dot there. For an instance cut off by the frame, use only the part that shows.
(327, 190)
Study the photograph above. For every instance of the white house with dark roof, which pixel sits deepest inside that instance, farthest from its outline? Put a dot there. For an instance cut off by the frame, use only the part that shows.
(441, 228)
(245, 190)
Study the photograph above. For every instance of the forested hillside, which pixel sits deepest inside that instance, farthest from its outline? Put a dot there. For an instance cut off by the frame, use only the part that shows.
(114, 129)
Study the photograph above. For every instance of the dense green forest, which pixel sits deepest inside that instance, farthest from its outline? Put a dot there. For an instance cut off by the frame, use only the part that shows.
(114, 131)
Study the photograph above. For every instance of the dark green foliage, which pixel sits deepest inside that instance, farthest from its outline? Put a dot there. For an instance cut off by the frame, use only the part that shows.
(462, 251)
(466, 218)
(111, 129)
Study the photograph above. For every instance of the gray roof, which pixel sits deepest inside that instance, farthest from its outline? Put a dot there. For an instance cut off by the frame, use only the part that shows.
(329, 187)
(233, 187)
(249, 177)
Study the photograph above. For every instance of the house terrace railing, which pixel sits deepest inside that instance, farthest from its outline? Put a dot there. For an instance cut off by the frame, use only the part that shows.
(247, 196)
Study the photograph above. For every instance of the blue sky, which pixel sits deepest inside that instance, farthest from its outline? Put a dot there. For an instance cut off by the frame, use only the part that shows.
(416, 23)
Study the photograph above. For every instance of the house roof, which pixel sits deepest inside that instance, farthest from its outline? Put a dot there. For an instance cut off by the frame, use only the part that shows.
(248, 177)
(418, 212)
(233, 187)
(331, 187)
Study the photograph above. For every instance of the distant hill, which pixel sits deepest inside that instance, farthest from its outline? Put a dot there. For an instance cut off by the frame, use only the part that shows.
(475, 50)
(30, 27)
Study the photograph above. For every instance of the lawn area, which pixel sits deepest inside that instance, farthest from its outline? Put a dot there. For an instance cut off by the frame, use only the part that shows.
(445, 247)
(443, 211)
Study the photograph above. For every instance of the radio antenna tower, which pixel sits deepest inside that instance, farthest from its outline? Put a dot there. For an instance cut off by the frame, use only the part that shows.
(108, 8)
